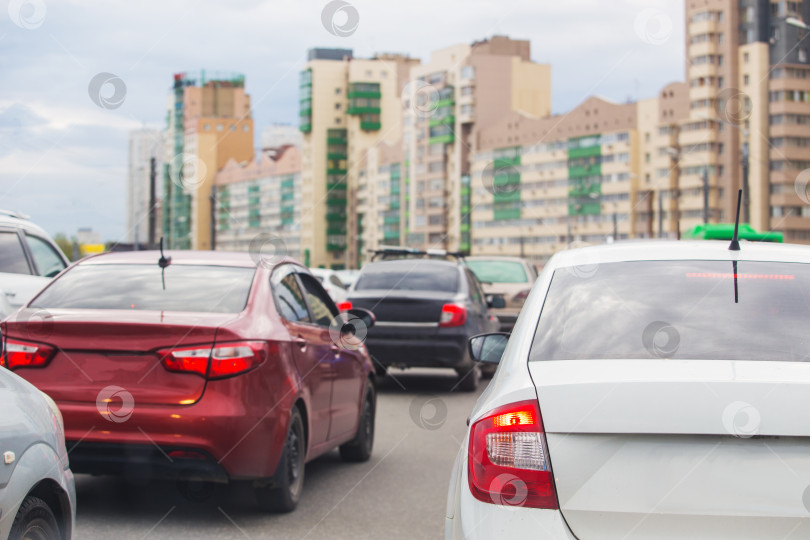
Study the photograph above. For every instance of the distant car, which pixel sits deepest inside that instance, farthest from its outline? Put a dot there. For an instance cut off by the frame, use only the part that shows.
(201, 366)
(331, 282)
(648, 390)
(37, 492)
(426, 309)
(510, 277)
(347, 277)
(29, 258)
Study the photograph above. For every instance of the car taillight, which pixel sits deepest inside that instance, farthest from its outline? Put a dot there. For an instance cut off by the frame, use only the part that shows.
(453, 315)
(344, 306)
(225, 359)
(20, 353)
(521, 296)
(508, 458)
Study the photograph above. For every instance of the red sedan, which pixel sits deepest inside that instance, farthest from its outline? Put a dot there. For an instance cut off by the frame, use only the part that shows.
(205, 366)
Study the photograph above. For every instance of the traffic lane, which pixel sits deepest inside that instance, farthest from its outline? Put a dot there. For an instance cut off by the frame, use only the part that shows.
(400, 493)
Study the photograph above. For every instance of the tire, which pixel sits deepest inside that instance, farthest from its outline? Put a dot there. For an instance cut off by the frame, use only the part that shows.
(469, 378)
(359, 449)
(284, 494)
(34, 521)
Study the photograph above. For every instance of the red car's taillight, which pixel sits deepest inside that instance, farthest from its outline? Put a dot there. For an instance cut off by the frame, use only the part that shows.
(508, 458)
(453, 315)
(20, 353)
(225, 359)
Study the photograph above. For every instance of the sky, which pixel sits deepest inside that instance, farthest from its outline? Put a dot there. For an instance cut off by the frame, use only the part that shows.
(77, 75)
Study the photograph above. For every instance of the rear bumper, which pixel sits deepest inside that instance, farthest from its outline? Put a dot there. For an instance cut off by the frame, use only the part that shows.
(415, 347)
(236, 432)
(506, 318)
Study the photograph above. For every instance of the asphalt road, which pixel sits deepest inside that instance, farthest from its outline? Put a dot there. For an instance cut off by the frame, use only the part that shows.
(400, 493)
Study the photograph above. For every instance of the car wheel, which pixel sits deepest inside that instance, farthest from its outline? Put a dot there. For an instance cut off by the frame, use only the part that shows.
(34, 521)
(469, 378)
(359, 448)
(284, 494)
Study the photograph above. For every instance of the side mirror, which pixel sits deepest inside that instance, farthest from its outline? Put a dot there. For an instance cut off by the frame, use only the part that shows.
(496, 301)
(488, 348)
(365, 316)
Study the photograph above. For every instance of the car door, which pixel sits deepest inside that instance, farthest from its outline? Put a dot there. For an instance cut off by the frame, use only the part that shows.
(313, 363)
(348, 375)
(478, 311)
(18, 279)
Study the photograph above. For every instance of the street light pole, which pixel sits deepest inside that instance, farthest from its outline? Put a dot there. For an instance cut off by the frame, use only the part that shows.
(706, 195)
(746, 203)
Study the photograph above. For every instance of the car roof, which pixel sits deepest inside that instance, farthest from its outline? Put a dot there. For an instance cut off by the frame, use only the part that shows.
(658, 250)
(410, 262)
(18, 221)
(182, 257)
(495, 258)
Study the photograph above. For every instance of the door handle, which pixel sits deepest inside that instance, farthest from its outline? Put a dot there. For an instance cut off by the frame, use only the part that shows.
(301, 342)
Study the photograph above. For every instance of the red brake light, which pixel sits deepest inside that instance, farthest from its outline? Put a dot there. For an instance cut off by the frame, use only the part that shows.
(344, 306)
(508, 458)
(20, 353)
(225, 359)
(453, 315)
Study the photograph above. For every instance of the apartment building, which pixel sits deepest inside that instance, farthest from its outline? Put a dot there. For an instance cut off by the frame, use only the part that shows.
(347, 105)
(462, 87)
(381, 203)
(258, 203)
(209, 123)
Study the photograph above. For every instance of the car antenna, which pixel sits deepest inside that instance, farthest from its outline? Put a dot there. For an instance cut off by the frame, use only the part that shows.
(163, 262)
(735, 242)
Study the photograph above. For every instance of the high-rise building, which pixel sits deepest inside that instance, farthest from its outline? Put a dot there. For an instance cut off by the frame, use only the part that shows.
(749, 114)
(209, 123)
(259, 204)
(278, 135)
(144, 145)
(347, 106)
(462, 88)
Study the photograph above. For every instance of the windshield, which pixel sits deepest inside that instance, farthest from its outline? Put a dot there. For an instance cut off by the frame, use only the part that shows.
(494, 271)
(212, 289)
(677, 310)
(409, 276)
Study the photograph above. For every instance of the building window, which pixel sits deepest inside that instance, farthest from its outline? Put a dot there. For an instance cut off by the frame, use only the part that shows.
(468, 72)
(745, 79)
(246, 128)
(337, 106)
(232, 127)
(337, 120)
(745, 57)
(802, 54)
(220, 127)
(338, 91)
(207, 127)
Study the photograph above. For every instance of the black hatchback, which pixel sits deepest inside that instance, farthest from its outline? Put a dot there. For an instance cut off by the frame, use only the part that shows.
(426, 310)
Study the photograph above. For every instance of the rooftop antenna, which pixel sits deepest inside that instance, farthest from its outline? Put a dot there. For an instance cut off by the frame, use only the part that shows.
(163, 262)
(735, 242)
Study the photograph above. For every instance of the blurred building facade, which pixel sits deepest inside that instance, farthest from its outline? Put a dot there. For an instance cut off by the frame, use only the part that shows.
(144, 144)
(259, 204)
(209, 123)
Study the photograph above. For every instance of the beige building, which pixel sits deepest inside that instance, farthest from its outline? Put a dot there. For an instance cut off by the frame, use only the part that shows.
(462, 87)
(347, 106)
(209, 123)
(259, 203)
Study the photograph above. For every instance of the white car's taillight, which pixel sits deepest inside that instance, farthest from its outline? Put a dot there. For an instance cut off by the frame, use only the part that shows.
(508, 458)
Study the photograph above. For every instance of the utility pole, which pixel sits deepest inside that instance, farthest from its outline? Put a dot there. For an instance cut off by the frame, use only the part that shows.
(152, 201)
(615, 226)
(746, 208)
(706, 195)
(213, 229)
(660, 213)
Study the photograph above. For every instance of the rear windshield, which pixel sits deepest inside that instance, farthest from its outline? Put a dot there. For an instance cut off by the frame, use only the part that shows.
(212, 289)
(415, 275)
(499, 271)
(678, 310)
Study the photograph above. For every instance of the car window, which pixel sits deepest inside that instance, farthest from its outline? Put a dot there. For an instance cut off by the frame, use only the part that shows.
(691, 310)
(475, 293)
(188, 288)
(321, 305)
(12, 256)
(334, 280)
(410, 275)
(48, 262)
(495, 271)
(290, 299)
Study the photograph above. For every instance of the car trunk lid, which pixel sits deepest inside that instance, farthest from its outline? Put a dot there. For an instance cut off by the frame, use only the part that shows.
(103, 353)
(400, 307)
(678, 448)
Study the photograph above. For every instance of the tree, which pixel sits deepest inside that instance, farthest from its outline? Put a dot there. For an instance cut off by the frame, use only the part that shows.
(65, 245)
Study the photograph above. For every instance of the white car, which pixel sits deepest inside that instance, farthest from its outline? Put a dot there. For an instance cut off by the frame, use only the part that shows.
(649, 390)
(37, 491)
(29, 259)
(332, 283)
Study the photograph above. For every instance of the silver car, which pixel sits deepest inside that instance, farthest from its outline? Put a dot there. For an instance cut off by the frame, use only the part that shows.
(37, 493)
(649, 390)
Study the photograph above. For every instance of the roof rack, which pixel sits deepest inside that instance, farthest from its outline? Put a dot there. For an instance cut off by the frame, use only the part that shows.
(11, 213)
(387, 253)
